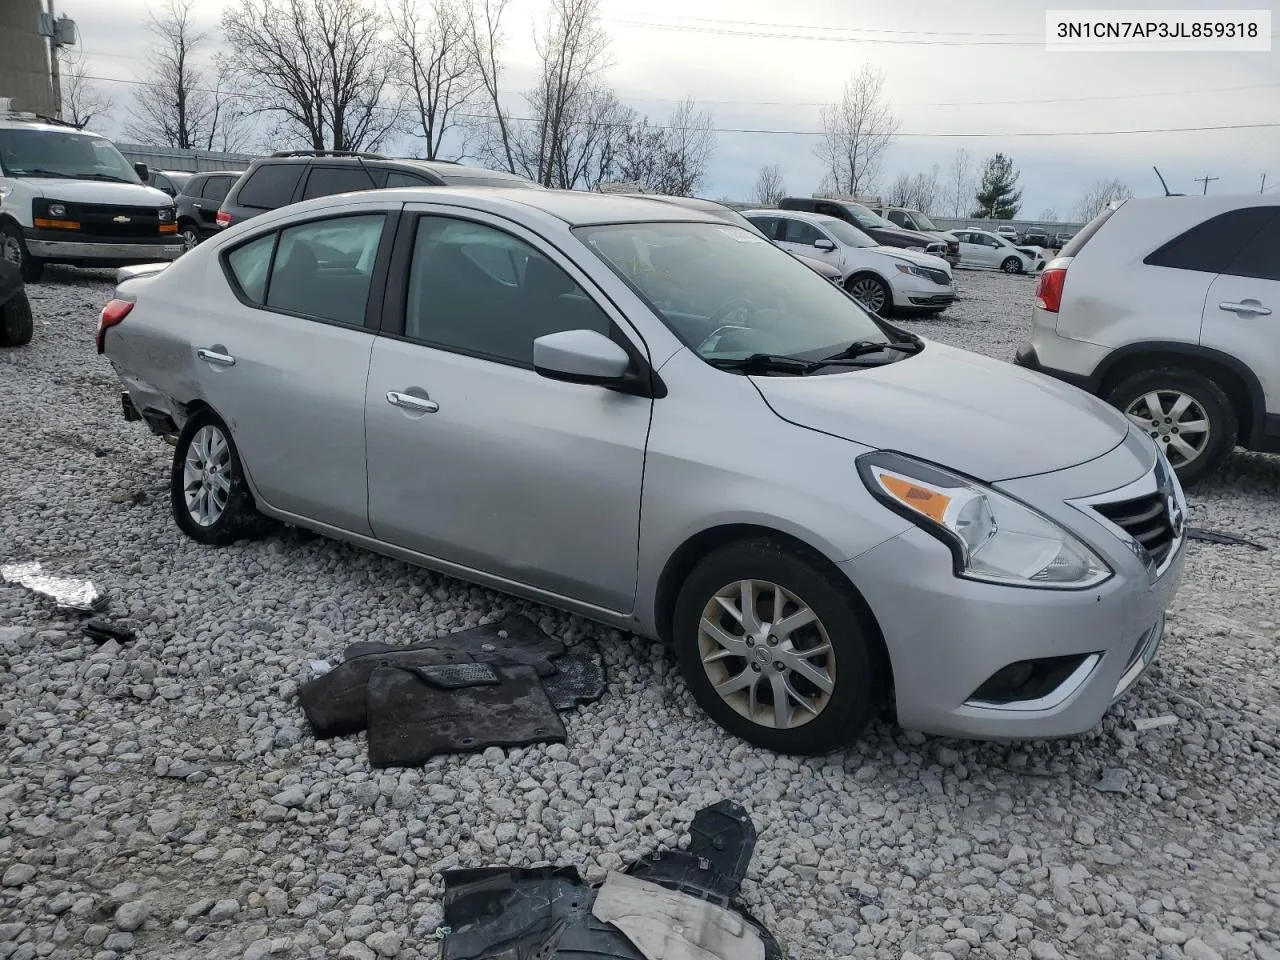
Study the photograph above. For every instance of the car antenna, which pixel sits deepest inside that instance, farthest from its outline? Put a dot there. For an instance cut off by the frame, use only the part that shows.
(367, 172)
(1166, 186)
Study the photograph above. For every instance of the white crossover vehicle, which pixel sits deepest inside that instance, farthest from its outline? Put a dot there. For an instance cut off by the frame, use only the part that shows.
(883, 279)
(983, 249)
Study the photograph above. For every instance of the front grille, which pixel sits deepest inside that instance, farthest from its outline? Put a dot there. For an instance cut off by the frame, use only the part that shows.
(938, 299)
(937, 276)
(98, 220)
(1146, 519)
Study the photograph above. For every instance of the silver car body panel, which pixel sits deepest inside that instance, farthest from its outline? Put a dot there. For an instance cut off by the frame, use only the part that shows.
(580, 497)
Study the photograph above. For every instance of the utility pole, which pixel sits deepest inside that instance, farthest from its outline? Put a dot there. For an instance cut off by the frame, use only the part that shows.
(1204, 180)
(1262, 189)
(54, 67)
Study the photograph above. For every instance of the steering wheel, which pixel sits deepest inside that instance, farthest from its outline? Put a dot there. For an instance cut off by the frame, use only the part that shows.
(738, 303)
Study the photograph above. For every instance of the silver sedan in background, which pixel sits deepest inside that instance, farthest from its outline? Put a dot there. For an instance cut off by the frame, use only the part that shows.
(655, 418)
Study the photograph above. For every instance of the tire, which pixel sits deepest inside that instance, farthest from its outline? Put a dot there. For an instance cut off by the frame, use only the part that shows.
(1207, 403)
(225, 511)
(855, 667)
(868, 290)
(14, 249)
(1011, 265)
(16, 324)
(190, 235)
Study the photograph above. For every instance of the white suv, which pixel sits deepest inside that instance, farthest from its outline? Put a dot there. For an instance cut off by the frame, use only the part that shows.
(69, 196)
(1164, 307)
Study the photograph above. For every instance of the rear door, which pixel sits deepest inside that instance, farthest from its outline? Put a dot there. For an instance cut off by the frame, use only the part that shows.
(268, 187)
(971, 252)
(283, 358)
(474, 458)
(212, 193)
(1242, 309)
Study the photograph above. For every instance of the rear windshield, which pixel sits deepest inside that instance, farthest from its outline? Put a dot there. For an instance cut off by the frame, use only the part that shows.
(1076, 243)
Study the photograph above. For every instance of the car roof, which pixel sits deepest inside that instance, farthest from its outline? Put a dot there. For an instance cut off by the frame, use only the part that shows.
(18, 122)
(806, 215)
(579, 208)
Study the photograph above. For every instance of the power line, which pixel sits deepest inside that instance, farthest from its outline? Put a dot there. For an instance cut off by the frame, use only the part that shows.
(771, 132)
(828, 27)
(827, 38)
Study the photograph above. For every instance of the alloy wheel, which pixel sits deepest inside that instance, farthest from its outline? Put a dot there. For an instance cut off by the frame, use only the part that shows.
(767, 654)
(869, 292)
(1175, 420)
(206, 475)
(189, 239)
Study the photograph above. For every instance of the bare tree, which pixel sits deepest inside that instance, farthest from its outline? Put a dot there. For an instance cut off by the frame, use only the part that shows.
(484, 46)
(769, 190)
(961, 183)
(916, 191)
(856, 131)
(437, 75)
(691, 141)
(1049, 214)
(592, 143)
(173, 105)
(324, 66)
(82, 100)
(641, 151)
(1096, 198)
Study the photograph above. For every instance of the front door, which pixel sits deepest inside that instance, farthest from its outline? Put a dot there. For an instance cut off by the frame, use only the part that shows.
(284, 362)
(799, 236)
(473, 457)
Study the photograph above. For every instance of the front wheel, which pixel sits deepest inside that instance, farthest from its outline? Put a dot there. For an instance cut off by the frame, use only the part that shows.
(14, 249)
(207, 490)
(1184, 412)
(1011, 265)
(870, 291)
(16, 323)
(775, 650)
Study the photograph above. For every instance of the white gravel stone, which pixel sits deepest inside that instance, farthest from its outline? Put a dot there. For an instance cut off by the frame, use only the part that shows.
(130, 916)
(242, 833)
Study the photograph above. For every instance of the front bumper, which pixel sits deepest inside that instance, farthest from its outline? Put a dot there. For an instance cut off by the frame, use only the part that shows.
(910, 290)
(948, 637)
(105, 251)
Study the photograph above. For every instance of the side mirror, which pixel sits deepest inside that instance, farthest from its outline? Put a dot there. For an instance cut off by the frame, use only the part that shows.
(580, 356)
(822, 243)
(143, 173)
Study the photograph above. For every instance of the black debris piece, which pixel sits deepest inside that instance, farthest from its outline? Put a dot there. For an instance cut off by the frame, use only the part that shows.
(100, 631)
(1231, 539)
(412, 720)
(502, 913)
(500, 684)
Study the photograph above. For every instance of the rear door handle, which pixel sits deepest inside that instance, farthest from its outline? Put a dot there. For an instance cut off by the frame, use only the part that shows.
(214, 357)
(198, 206)
(1246, 308)
(414, 404)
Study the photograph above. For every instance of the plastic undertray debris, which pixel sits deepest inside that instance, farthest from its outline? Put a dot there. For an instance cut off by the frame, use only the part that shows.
(549, 913)
(409, 724)
(100, 631)
(579, 679)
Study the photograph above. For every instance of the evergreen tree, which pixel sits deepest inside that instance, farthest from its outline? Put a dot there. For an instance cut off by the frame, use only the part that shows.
(998, 197)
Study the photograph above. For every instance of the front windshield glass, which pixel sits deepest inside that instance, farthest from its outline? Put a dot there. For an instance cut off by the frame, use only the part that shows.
(62, 155)
(847, 234)
(866, 219)
(728, 294)
(922, 222)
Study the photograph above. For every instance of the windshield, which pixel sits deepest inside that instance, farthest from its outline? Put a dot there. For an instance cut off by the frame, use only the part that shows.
(728, 294)
(70, 156)
(865, 218)
(847, 234)
(922, 222)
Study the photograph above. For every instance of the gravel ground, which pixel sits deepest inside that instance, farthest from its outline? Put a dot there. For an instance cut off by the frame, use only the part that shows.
(165, 800)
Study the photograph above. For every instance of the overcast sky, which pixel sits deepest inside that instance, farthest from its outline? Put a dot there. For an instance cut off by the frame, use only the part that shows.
(763, 65)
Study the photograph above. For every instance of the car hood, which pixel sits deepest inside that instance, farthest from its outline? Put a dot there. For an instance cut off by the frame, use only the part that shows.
(99, 191)
(904, 236)
(983, 417)
(919, 259)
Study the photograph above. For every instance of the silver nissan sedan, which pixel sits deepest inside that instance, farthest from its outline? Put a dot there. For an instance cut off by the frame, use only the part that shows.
(659, 420)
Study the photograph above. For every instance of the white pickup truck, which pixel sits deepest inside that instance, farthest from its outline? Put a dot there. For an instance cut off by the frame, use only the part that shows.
(69, 196)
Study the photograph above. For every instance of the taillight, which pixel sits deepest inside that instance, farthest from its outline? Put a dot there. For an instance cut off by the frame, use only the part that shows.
(1049, 288)
(112, 313)
(223, 218)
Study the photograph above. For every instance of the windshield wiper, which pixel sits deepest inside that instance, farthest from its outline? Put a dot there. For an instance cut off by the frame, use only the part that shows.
(862, 348)
(101, 176)
(776, 363)
(45, 173)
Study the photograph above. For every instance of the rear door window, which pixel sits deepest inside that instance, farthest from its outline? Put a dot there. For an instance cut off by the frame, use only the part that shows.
(323, 268)
(270, 186)
(326, 181)
(215, 188)
(766, 225)
(1211, 246)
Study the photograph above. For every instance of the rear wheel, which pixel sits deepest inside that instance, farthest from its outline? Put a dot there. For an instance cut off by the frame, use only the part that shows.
(775, 650)
(14, 249)
(207, 490)
(190, 235)
(870, 291)
(16, 324)
(1011, 265)
(1183, 411)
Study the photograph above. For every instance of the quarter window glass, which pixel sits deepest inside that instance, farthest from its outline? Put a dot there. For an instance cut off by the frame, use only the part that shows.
(396, 178)
(1213, 245)
(270, 186)
(249, 265)
(323, 268)
(478, 290)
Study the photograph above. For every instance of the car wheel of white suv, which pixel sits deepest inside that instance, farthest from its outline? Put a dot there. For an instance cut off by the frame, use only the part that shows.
(776, 650)
(207, 490)
(1183, 411)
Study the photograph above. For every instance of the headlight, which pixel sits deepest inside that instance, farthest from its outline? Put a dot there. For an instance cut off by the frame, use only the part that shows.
(992, 537)
(166, 214)
(57, 210)
(916, 249)
(916, 271)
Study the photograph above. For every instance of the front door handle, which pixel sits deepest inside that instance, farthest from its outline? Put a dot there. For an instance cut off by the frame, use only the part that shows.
(216, 358)
(414, 404)
(1246, 308)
